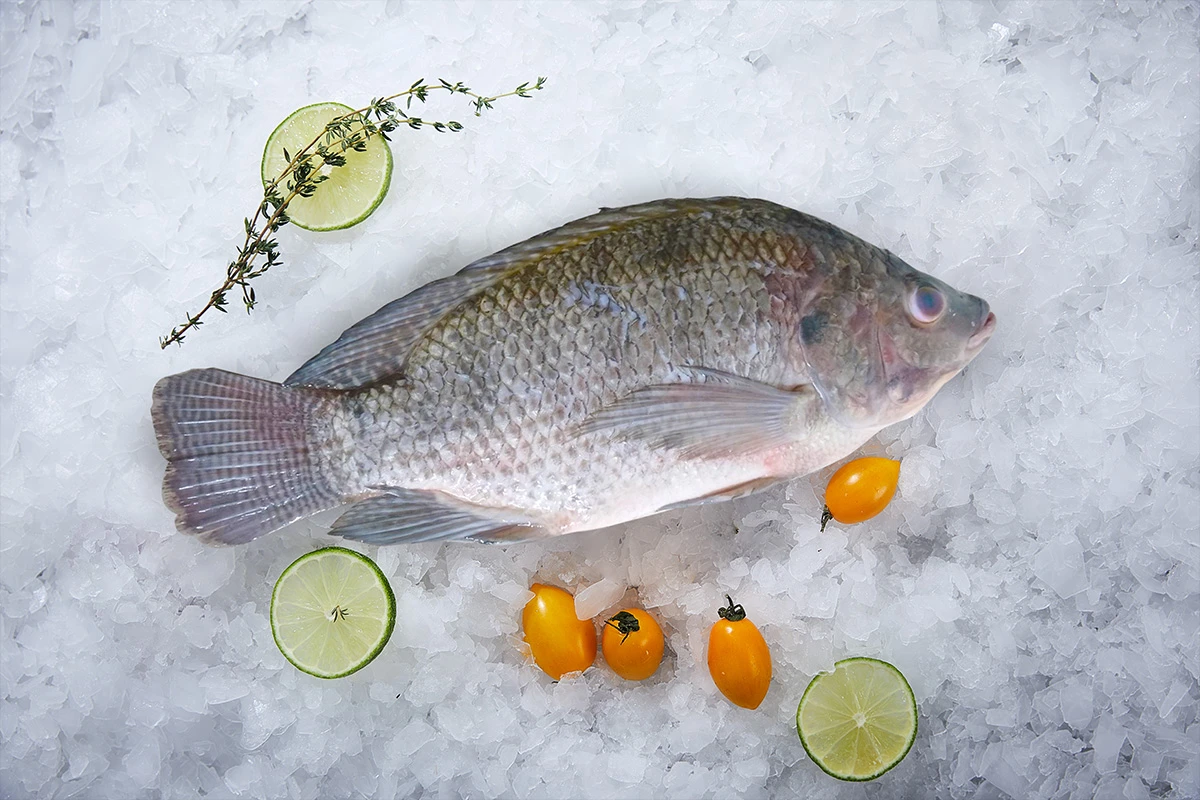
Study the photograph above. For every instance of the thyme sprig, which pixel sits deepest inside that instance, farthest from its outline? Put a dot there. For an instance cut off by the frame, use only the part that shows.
(304, 174)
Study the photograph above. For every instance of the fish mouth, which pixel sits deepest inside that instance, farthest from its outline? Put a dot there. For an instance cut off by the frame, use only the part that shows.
(979, 337)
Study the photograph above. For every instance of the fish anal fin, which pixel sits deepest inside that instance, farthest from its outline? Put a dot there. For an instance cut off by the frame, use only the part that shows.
(513, 534)
(728, 493)
(398, 515)
(715, 414)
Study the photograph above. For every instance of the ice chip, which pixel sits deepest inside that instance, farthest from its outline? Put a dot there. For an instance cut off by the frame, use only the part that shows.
(222, 684)
(143, 761)
(187, 693)
(1178, 691)
(241, 777)
(197, 626)
(998, 769)
(600, 595)
(919, 475)
(1059, 564)
(994, 505)
(209, 572)
(1075, 699)
(1106, 743)
(627, 767)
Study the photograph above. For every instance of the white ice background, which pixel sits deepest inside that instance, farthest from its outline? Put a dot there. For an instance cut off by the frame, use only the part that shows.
(1037, 578)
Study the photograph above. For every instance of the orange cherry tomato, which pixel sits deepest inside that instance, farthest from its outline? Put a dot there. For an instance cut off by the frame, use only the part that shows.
(738, 658)
(632, 643)
(860, 489)
(560, 641)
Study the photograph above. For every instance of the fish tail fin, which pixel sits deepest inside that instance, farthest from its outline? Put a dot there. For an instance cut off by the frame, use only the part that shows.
(240, 458)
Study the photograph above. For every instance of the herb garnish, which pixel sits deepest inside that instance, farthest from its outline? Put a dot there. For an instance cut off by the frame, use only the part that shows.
(303, 175)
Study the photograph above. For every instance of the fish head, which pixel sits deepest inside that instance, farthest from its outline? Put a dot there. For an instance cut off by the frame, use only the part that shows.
(878, 345)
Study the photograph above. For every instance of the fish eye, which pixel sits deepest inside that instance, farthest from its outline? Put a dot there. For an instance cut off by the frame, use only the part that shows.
(926, 305)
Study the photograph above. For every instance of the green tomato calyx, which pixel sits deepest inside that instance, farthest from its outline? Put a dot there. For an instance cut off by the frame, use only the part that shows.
(732, 613)
(625, 623)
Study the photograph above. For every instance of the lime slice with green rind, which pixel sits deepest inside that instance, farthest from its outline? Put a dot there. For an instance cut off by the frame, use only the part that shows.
(859, 720)
(350, 193)
(332, 611)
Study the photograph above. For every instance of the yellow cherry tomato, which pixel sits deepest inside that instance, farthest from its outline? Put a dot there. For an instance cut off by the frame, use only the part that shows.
(738, 658)
(860, 489)
(560, 641)
(632, 644)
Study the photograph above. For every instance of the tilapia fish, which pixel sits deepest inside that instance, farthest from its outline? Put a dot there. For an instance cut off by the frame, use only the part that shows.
(637, 360)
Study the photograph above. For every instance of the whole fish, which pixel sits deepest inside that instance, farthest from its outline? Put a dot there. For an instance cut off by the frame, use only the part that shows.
(637, 360)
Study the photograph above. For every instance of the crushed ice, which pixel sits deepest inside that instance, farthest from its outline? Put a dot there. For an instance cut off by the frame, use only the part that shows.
(1037, 578)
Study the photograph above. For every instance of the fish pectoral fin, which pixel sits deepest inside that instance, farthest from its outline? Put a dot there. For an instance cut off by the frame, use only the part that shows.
(717, 414)
(728, 493)
(414, 515)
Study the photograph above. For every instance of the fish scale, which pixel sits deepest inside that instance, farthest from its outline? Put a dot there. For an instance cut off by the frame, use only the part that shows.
(648, 357)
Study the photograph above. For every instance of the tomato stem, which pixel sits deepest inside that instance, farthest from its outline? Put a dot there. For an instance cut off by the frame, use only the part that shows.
(732, 613)
(826, 515)
(625, 623)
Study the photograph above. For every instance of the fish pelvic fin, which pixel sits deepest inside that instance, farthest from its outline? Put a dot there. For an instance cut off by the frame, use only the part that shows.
(413, 515)
(240, 459)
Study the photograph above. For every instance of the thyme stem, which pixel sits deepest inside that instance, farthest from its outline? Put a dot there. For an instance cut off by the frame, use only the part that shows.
(303, 176)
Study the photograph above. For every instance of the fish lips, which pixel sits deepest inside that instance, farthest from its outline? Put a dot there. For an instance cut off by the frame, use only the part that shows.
(984, 332)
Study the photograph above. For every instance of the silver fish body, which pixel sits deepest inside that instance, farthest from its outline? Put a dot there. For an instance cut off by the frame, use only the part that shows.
(639, 359)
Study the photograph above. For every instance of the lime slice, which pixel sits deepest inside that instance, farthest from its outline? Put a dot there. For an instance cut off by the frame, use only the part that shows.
(858, 721)
(351, 192)
(332, 611)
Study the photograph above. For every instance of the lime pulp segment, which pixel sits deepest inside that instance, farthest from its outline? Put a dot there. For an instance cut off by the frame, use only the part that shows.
(858, 721)
(350, 192)
(332, 611)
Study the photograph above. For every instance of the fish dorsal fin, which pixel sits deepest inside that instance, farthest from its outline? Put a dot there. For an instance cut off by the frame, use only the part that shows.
(714, 414)
(587, 228)
(377, 347)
